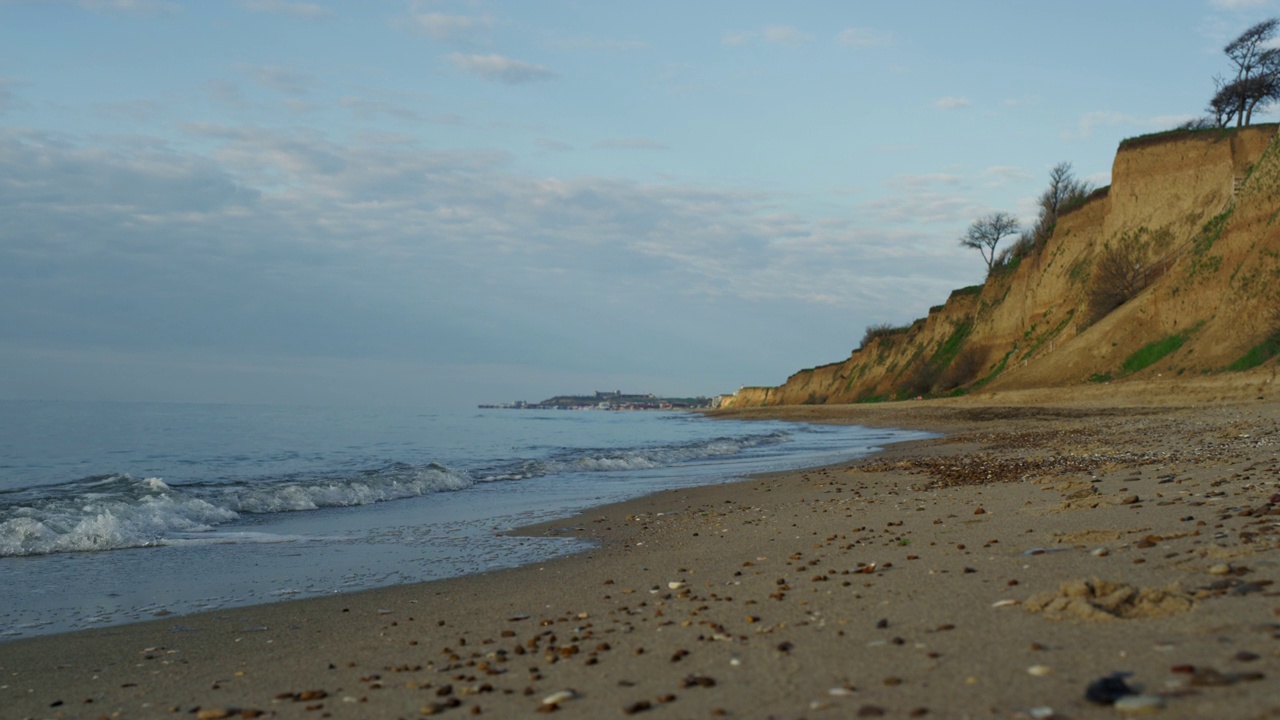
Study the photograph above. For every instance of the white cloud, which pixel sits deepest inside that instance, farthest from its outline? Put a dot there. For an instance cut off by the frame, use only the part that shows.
(864, 38)
(1090, 121)
(305, 10)
(953, 103)
(785, 35)
(501, 69)
(452, 27)
(736, 38)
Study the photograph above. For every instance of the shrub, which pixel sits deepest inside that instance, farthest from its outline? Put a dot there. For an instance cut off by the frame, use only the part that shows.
(1120, 273)
(882, 331)
(964, 370)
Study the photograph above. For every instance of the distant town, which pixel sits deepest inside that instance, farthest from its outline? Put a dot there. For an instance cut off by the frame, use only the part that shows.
(616, 400)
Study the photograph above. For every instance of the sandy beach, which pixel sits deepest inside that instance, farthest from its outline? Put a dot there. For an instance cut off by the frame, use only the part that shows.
(1115, 541)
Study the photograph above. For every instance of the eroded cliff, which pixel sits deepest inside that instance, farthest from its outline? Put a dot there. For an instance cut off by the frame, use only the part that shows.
(1187, 237)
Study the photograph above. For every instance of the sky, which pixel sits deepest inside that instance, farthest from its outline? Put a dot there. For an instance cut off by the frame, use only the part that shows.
(450, 202)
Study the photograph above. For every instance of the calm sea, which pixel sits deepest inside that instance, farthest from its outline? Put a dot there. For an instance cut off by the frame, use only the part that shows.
(117, 512)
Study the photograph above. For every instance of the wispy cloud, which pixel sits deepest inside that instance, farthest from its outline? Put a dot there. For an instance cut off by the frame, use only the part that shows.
(594, 44)
(365, 109)
(630, 144)
(773, 35)
(8, 100)
(786, 35)
(864, 38)
(1090, 121)
(952, 103)
(285, 81)
(1239, 4)
(501, 69)
(452, 27)
(553, 145)
(304, 10)
(125, 6)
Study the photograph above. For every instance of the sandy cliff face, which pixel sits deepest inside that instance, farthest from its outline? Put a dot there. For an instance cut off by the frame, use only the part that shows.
(1198, 216)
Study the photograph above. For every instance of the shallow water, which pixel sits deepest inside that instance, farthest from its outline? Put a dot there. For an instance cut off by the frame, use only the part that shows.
(116, 512)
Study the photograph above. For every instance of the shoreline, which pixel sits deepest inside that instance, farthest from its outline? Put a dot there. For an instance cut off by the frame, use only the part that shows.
(759, 597)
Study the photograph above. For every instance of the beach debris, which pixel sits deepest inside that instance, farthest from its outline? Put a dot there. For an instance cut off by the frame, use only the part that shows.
(1103, 600)
(1139, 704)
(842, 691)
(1007, 602)
(1040, 670)
(220, 713)
(637, 706)
(675, 584)
(560, 696)
(702, 681)
(303, 696)
(1107, 690)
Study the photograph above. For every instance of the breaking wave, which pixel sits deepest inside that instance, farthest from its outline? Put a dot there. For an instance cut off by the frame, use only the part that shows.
(108, 512)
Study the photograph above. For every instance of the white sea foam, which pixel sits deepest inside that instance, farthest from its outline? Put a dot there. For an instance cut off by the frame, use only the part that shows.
(118, 511)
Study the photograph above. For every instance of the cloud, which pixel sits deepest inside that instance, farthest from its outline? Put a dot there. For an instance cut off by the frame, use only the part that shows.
(283, 80)
(304, 10)
(553, 145)
(630, 144)
(452, 27)
(953, 103)
(124, 6)
(364, 109)
(1090, 121)
(501, 69)
(1239, 4)
(601, 44)
(785, 35)
(774, 35)
(8, 99)
(864, 38)
(291, 244)
(227, 92)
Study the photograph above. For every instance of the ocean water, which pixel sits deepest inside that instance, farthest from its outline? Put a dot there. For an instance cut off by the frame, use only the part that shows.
(118, 512)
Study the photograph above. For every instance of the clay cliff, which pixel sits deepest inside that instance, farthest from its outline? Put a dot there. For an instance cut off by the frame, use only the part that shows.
(1172, 270)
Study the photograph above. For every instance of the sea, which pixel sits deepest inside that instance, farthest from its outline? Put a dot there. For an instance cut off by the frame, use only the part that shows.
(113, 513)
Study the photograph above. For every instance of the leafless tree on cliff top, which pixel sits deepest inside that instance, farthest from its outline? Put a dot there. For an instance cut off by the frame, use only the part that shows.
(1257, 78)
(987, 232)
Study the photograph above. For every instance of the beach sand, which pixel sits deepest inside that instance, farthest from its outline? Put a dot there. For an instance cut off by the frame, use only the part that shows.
(1048, 541)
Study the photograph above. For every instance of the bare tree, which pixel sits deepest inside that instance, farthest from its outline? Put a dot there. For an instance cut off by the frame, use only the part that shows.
(987, 232)
(1257, 76)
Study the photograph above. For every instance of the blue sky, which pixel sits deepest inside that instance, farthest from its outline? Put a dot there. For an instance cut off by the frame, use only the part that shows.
(459, 201)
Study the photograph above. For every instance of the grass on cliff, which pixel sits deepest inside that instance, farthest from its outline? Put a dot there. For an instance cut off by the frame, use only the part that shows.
(1153, 352)
(1258, 354)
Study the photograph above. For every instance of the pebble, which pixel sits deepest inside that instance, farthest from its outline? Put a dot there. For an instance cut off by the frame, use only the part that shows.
(1040, 670)
(1220, 569)
(1139, 704)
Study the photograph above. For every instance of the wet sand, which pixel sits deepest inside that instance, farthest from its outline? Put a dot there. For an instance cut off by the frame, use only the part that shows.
(1046, 542)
